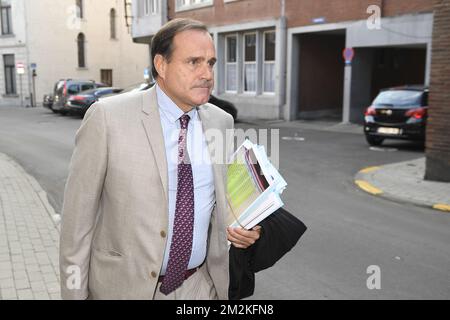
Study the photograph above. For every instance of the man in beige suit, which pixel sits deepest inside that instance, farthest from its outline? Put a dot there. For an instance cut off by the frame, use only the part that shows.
(144, 213)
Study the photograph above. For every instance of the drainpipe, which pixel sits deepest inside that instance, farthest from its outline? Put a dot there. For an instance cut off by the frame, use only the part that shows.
(32, 99)
(282, 35)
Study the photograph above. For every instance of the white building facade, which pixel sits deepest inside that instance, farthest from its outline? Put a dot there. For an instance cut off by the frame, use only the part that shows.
(52, 40)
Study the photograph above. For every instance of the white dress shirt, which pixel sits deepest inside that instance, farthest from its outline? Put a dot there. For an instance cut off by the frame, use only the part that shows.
(202, 171)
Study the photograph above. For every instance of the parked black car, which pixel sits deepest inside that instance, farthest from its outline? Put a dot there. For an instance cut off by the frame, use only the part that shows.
(397, 113)
(81, 102)
(67, 87)
(225, 105)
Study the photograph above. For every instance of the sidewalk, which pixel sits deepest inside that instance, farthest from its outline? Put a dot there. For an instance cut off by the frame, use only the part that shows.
(29, 238)
(403, 182)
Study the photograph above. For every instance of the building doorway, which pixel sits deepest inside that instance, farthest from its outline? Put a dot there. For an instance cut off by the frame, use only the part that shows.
(377, 68)
(106, 76)
(320, 75)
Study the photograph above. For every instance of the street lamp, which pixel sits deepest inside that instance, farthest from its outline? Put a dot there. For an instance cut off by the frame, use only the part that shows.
(128, 14)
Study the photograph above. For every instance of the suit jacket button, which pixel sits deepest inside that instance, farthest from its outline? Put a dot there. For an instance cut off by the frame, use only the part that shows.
(153, 274)
(163, 234)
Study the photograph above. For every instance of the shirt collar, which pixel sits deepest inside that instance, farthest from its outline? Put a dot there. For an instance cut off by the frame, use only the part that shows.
(170, 109)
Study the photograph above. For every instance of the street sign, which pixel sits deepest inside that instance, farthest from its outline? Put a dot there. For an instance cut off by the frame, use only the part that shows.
(348, 55)
(319, 20)
(20, 67)
(33, 66)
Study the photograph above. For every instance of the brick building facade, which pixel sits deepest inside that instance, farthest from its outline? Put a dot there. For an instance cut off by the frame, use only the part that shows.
(276, 58)
(438, 130)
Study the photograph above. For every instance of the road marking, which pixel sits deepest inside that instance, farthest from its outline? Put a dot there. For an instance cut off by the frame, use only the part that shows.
(442, 207)
(368, 187)
(293, 138)
(369, 169)
(383, 149)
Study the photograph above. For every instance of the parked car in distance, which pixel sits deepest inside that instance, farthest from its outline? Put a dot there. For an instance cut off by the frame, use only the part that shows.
(48, 101)
(131, 88)
(138, 87)
(225, 105)
(397, 113)
(67, 87)
(80, 103)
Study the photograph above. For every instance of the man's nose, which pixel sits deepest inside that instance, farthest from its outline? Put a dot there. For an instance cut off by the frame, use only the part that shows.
(207, 72)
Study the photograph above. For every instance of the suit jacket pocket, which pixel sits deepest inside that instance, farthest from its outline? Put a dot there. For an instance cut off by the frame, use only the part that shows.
(108, 252)
(108, 276)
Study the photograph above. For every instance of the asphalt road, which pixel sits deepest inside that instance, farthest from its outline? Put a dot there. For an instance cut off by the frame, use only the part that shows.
(348, 230)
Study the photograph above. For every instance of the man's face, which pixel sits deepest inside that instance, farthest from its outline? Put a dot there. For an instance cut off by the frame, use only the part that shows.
(188, 78)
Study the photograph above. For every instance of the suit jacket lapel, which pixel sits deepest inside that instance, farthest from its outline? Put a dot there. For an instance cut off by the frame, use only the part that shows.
(152, 125)
(208, 123)
(217, 259)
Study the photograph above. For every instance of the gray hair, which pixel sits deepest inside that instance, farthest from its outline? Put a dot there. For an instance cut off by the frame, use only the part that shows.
(162, 42)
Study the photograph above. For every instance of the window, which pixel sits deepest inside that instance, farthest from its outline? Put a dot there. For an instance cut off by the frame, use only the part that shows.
(81, 54)
(106, 77)
(86, 86)
(250, 67)
(192, 4)
(6, 19)
(154, 6)
(79, 4)
(231, 63)
(150, 7)
(146, 7)
(249, 62)
(73, 89)
(112, 21)
(10, 74)
(269, 62)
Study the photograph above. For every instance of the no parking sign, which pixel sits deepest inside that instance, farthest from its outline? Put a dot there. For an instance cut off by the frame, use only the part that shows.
(348, 55)
(20, 68)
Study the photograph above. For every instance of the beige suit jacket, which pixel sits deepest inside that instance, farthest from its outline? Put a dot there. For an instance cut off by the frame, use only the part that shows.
(115, 211)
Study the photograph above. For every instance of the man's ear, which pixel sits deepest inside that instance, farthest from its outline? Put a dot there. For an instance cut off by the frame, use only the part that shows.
(160, 65)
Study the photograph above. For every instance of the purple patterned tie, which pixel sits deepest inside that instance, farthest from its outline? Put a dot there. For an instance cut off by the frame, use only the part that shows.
(183, 225)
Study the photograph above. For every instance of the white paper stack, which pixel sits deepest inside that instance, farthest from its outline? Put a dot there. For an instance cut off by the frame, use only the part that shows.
(254, 186)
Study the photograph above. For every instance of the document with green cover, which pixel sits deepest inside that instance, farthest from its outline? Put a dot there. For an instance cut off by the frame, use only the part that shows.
(254, 186)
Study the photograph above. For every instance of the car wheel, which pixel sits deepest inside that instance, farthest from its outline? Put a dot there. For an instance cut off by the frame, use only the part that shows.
(54, 111)
(374, 141)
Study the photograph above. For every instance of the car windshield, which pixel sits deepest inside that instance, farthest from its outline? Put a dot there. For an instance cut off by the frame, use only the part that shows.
(399, 98)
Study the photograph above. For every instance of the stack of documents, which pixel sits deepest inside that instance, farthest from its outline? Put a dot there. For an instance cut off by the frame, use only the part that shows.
(254, 186)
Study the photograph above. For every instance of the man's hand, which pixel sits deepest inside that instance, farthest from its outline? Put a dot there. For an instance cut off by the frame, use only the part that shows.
(241, 238)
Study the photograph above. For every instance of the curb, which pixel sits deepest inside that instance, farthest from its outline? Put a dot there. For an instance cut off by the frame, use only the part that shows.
(56, 218)
(369, 188)
(442, 207)
(39, 191)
